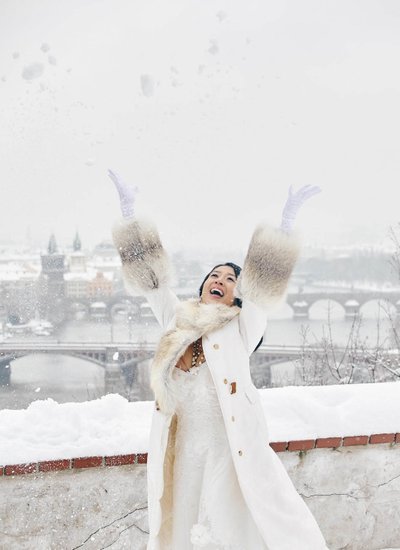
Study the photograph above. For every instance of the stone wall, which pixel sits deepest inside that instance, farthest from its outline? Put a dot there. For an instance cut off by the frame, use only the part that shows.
(94, 503)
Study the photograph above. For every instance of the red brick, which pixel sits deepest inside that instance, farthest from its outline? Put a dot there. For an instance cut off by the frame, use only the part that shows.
(119, 460)
(142, 458)
(278, 446)
(328, 442)
(301, 445)
(355, 440)
(54, 465)
(18, 469)
(382, 438)
(397, 438)
(87, 462)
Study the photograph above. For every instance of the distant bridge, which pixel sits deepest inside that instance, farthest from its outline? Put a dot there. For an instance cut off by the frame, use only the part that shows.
(120, 360)
(136, 307)
(350, 300)
(121, 354)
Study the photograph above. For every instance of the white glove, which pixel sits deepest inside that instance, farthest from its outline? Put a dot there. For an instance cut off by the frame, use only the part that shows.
(127, 194)
(293, 203)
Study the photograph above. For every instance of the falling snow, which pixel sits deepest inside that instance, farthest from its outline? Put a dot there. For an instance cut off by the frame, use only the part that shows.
(147, 85)
(221, 16)
(213, 49)
(32, 71)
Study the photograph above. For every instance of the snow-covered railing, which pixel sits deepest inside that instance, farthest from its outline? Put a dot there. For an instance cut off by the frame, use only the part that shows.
(299, 418)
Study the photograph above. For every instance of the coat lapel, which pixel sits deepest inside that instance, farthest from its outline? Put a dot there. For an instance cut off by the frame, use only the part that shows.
(193, 320)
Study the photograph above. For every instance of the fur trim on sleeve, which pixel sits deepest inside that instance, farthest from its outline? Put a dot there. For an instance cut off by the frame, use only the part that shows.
(145, 264)
(268, 265)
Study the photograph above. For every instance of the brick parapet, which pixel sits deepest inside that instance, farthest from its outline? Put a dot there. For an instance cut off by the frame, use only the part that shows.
(301, 445)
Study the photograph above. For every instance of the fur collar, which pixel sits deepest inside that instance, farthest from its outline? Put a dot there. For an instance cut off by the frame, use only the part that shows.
(193, 320)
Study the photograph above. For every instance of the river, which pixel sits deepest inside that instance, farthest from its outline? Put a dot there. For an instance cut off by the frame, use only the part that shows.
(67, 379)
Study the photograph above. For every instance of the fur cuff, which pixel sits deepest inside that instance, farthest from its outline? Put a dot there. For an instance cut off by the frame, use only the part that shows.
(145, 264)
(268, 265)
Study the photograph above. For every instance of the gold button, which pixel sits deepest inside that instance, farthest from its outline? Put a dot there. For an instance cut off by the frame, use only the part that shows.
(233, 419)
(240, 453)
(216, 346)
(225, 381)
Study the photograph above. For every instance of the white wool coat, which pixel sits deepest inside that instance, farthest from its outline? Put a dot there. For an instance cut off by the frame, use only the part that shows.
(230, 335)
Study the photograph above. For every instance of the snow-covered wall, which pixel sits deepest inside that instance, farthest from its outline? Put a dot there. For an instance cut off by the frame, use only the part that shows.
(111, 425)
(353, 491)
(340, 445)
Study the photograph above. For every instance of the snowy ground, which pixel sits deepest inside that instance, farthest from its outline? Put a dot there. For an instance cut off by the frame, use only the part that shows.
(111, 425)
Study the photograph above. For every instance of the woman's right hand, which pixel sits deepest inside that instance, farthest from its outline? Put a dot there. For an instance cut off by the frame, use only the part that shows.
(127, 194)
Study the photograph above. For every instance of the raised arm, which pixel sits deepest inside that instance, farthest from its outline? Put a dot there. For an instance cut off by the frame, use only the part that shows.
(145, 264)
(269, 263)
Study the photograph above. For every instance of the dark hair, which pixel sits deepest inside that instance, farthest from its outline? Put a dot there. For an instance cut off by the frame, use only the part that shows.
(237, 301)
(237, 269)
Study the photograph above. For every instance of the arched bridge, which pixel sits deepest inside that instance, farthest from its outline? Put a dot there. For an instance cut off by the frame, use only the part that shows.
(350, 300)
(120, 360)
(100, 354)
(119, 356)
(117, 360)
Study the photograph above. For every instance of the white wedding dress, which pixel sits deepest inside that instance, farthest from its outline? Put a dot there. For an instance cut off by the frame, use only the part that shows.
(209, 512)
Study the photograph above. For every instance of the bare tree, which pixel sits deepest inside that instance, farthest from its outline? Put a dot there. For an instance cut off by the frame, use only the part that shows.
(323, 361)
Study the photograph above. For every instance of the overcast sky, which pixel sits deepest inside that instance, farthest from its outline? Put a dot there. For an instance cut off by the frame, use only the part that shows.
(213, 108)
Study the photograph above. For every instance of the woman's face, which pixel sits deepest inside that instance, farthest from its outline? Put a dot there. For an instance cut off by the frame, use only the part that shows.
(219, 286)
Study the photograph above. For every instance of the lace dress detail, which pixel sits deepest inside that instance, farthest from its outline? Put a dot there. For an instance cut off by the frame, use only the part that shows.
(209, 512)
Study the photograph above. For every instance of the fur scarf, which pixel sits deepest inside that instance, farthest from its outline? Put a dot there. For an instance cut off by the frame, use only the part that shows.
(193, 320)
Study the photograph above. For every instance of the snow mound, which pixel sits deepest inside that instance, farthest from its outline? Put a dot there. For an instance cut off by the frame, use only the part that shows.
(47, 430)
(111, 425)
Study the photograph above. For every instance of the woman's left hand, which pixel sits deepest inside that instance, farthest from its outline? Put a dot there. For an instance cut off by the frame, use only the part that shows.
(294, 202)
(127, 194)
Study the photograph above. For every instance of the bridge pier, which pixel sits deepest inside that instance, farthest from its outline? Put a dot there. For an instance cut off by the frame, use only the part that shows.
(114, 381)
(5, 372)
(260, 371)
(142, 390)
(351, 309)
(130, 376)
(300, 309)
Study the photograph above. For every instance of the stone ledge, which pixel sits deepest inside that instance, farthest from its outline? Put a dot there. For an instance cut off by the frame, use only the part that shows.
(141, 458)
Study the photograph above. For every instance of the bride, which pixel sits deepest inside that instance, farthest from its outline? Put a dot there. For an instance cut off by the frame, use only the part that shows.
(214, 483)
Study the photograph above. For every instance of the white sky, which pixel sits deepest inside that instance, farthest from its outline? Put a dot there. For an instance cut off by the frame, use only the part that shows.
(248, 98)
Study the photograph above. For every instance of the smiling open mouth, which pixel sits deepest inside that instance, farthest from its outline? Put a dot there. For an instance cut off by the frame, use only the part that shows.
(216, 292)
